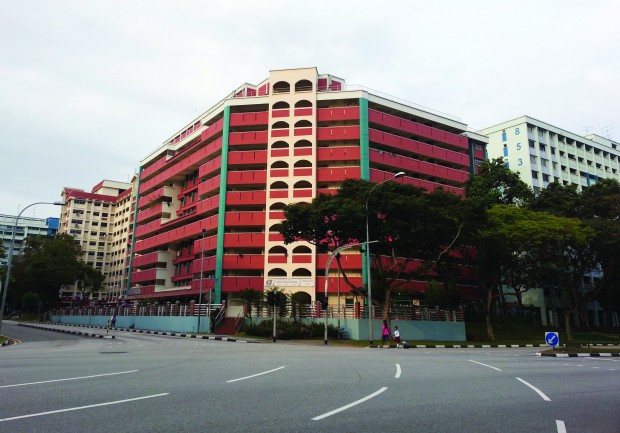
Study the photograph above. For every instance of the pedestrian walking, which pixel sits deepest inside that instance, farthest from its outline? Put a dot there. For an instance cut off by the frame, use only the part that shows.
(113, 321)
(385, 334)
(397, 336)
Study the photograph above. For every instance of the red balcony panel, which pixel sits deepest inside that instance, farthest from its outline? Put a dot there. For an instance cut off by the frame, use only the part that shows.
(279, 153)
(249, 177)
(150, 213)
(237, 284)
(302, 131)
(253, 137)
(256, 118)
(151, 197)
(302, 171)
(243, 261)
(156, 166)
(140, 276)
(145, 260)
(186, 163)
(338, 154)
(280, 132)
(278, 193)
(208, 244)
(276, 215)
(281, 172)
(336, 114)
(280, 113)
(209, 167)
(422, 167)
(337, 173)
(244, 219)
(417, 128)
(247, 157)
(246, 197)
(277, 259)
(303, 151)
(275, 237)
(337, 133)
(175, 235)
(419, 148)
(233, 240)
(207, 265)
(298, 258)
(303, 111)
(209, 186)
(431, 186)
(301, 193)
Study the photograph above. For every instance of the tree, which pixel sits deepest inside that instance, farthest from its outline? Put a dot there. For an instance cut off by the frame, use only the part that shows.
(251, 297)
(415, 227)
(47, 263)
(494, 184)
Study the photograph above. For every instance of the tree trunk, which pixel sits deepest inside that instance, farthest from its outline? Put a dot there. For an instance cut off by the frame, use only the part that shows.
(567, 325)
(489, 304)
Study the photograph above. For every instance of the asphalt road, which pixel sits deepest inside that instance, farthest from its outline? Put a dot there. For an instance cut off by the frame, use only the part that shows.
(53, 382)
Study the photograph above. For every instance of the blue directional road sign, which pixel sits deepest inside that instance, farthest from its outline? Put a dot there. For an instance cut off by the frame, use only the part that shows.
(552, 339)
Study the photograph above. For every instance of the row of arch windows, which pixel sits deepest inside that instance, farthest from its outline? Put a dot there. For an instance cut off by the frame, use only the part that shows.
(297, 185)
(285, 87)
(304, 103)
(299, 272)
(299, 124)
(284, 145)
(303, 163)
(302, 249)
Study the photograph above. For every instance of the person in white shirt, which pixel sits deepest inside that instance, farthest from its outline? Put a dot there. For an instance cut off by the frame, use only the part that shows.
(397, 336)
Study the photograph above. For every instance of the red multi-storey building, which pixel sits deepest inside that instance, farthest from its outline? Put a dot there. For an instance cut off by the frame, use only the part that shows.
(211, 197)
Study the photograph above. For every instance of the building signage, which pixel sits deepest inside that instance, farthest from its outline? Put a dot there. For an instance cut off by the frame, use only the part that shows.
(289, 282)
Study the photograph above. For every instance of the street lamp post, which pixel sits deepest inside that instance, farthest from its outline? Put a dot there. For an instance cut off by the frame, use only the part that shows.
(328, 264)
(10, 255)
(368, 267)
(202, 261)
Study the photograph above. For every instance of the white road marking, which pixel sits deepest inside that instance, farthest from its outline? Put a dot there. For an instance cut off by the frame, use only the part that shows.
(83, 407)
(397, 371)
(538, 391)
(476, 362)
(355, 403)
(69, 378)
(254, 375)
(561, 426)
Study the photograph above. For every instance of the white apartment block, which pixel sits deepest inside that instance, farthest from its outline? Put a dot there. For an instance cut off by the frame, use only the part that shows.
(543, 153)
(101, 222)
(26, 226)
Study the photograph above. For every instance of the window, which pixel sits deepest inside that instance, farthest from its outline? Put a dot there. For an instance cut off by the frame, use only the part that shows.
(534, 174)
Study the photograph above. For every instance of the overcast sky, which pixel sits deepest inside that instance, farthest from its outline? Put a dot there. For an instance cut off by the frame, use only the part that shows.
(90, 88)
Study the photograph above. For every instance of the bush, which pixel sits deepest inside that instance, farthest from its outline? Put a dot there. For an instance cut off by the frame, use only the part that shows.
(288, 329)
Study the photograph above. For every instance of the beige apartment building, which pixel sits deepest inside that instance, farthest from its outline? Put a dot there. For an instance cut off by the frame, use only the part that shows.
(101, 221)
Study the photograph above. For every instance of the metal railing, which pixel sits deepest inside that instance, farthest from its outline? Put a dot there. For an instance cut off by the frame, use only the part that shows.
(310, 311)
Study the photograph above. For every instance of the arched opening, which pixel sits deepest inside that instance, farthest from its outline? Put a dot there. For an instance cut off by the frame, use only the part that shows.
(302, 298)
(278, 250)
(280, 145)
(303, 124)
(302, 249)
(302, 272)
(304, 103)
(302, 184)
(279, 164)
(275, 228)
(303, 86)
(279, 125)
(280, 105)
(281, 87)
(279, 185)
(303, 143)
(303, 163)
(277, 272)
(277, 206)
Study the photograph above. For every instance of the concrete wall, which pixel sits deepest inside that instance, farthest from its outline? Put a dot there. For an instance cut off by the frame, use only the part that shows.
(149, 323)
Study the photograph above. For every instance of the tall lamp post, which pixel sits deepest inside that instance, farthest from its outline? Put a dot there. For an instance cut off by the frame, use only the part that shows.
(10, 254)
(202, 261)
(370, 339)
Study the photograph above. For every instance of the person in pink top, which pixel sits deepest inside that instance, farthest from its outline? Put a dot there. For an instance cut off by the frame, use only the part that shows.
(385, 334)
